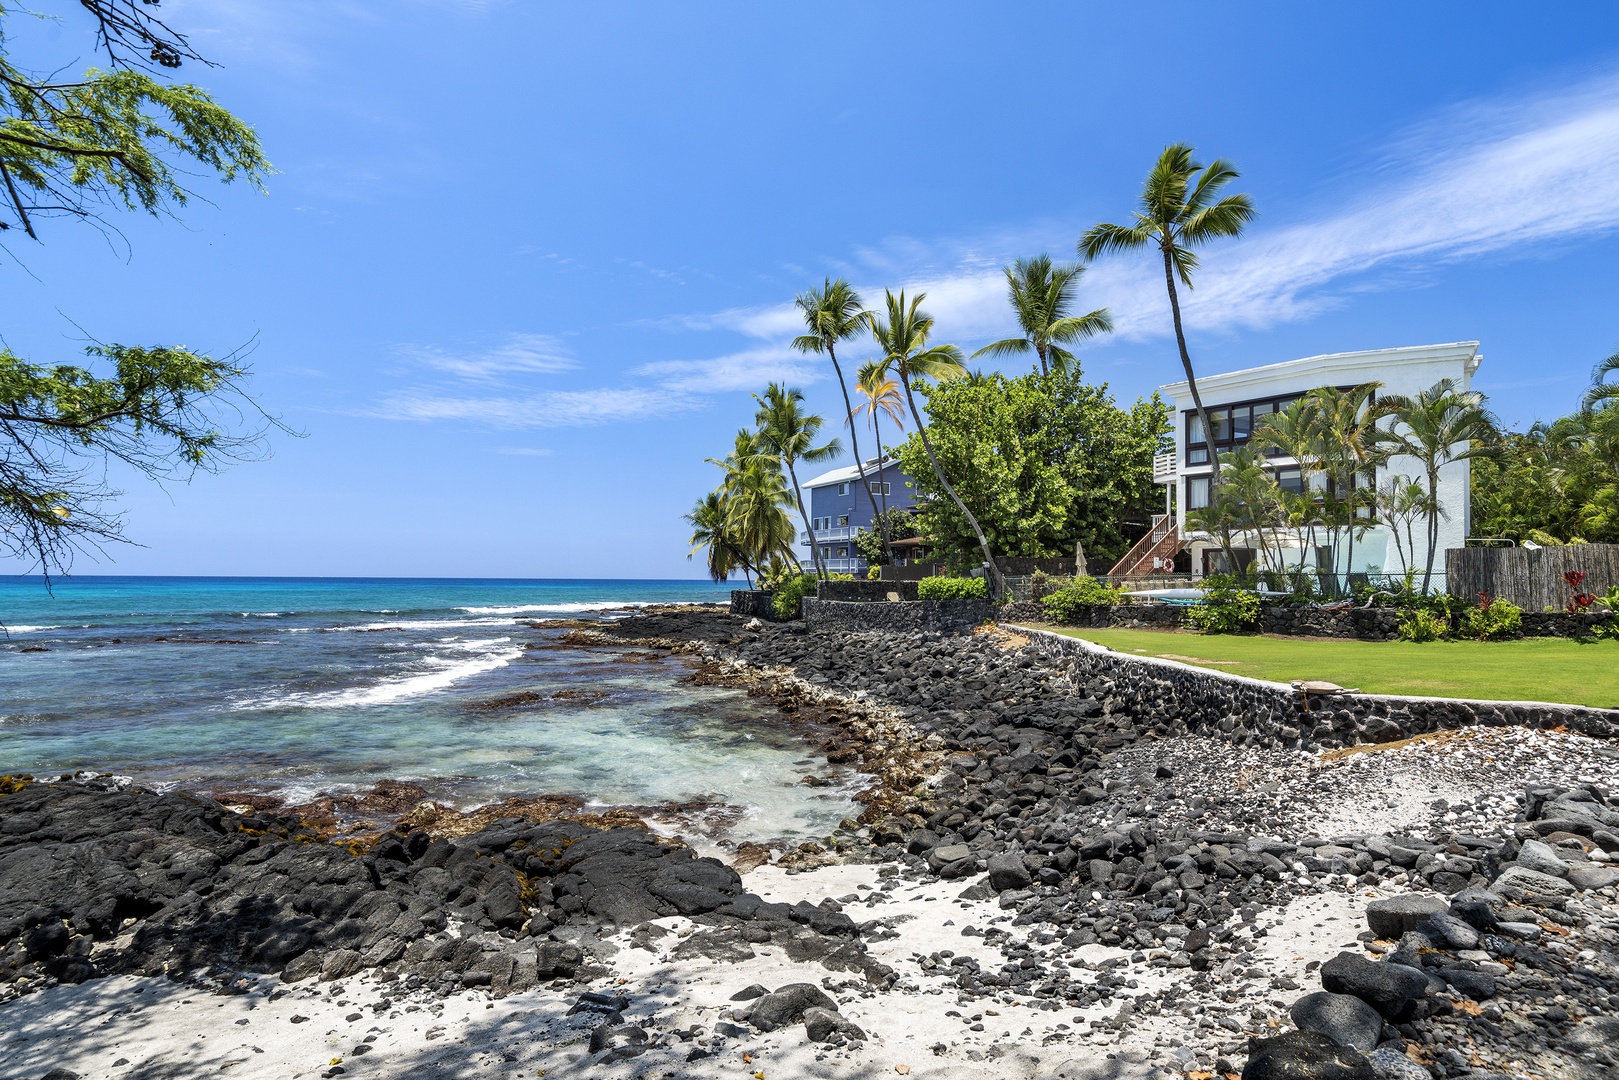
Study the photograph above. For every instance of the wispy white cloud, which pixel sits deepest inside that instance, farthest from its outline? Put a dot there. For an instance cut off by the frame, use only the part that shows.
(746, 370)
(542, 409)
(1492, 176)
(537, 354)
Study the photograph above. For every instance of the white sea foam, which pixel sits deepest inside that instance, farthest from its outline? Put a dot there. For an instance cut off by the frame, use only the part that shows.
(427, 676)
(529, 609)
(265, 614)
(29, 629)
(424, 624)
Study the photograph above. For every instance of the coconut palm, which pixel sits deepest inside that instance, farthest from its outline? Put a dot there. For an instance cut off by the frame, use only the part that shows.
(1041, 296)
(903, 339)
(835, 313)
(711, 529)
(788, 433)
(1178, 213)
(1602, 392)
(756, 495)
(1436, 427)
(879, 397)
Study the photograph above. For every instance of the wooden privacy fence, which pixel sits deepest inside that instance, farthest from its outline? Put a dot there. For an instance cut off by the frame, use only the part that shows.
(1530, 578)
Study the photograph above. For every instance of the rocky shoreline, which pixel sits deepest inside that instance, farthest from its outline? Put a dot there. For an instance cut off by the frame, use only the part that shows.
(1042, 882)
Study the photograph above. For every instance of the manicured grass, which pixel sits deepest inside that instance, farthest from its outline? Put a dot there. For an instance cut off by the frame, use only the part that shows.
(1535, 669)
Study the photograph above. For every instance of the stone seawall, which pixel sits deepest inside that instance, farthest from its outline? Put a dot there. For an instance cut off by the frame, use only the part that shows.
(916, 616)
(1264, 713)
(753, 603)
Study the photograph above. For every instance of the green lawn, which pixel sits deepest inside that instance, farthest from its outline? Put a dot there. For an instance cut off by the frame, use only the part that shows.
(1535, 669)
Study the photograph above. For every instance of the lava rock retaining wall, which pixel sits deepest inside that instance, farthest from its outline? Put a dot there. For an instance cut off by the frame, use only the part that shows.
(753, 603)
(1152, 689)
(865, 591)
(909, 617)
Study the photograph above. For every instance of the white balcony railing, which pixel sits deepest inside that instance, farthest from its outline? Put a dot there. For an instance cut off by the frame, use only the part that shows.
(1165, 467)
(835, 566)
(840, 532)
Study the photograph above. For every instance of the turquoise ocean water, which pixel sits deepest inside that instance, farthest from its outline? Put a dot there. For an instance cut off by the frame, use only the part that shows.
(304, 686)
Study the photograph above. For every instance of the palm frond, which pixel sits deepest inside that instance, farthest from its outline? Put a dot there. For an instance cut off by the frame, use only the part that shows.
(1105, 238)
(1081, 327)
(1004, 347)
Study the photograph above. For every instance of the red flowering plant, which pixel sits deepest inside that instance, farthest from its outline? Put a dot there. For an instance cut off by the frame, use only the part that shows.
(1581, 600)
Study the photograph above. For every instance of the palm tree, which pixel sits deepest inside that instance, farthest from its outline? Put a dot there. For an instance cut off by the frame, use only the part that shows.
(1178, 214)
(1041, 296)
(903, 339)
(711, 529)
(880, 397)
(1344, 423)
(1602, 391)
(1436, 427)
(756, 494)
(789, 434)
(1400, 501)
(835, 313)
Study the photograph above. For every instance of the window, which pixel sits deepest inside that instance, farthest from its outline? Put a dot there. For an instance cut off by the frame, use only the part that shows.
(1234, 425)
(882, 487)
(843, 553)
(843, 521)
(1290, 480)
(1197, 492)
(843, 489)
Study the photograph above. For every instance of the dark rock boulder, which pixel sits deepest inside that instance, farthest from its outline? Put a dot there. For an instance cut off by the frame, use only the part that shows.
(1396, 915)
(1007, 871)
(1389, 988)
(786, 1006)
(1305, 1055)
(1346, 1020)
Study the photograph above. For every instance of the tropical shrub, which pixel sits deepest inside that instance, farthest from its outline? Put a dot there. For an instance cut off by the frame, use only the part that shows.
(1491, 619)
(1226, 607)
(1421, 624)
(1065, 605)
(874, 572)
(789, 592)
(952, 588)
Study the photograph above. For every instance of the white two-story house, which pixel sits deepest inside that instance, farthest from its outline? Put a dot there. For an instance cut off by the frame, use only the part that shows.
(1237, 401)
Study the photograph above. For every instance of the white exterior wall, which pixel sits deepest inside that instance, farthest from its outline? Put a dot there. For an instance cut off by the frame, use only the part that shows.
(1405, 371)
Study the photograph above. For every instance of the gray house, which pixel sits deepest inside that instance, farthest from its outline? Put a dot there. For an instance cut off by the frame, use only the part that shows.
(838, 509)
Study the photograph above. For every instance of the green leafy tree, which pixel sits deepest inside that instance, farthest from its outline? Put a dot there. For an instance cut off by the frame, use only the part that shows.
(903, 341)
(1180, 209)
(1042, 295)
(788, 433)
(1042, 461)
(109, 140)
(1437, 426)
(896, 523)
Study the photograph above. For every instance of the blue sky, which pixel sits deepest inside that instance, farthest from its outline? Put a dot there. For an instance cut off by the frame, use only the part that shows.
(522, 264)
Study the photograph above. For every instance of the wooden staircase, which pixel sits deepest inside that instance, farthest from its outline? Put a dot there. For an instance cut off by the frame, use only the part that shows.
(1152, 554)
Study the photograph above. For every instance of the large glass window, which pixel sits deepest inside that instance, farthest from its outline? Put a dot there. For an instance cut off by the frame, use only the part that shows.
(1197, 492)
(1234, 425)
(1290, 480)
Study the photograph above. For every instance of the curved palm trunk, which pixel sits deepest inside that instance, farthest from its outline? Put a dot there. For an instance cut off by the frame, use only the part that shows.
(854, 447)
(1041, 349)
(997, 586)
(1191, 379)
(803, 514)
